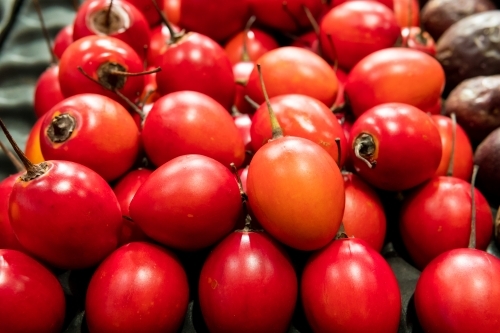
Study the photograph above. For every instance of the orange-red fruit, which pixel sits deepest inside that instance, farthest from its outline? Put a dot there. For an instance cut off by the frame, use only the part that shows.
(7, 238)
(33, 150)
(302, 116)
(296, 191)
(105, 137)
(140, 287)
(247, 285)
(32, 299)
(188, 203)
(437, 218)
(349, 287)
(258, 43)
(293, 70)
(463, 160)
(364, 216)
(389, 75)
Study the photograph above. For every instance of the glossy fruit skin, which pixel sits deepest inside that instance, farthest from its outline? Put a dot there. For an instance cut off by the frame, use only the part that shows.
(7, 238)
(106, 138)
(192, 64)
(357, 28)
(408, 146)
(463, 160)
(415, 38)
(197, 204)
(47, 91)
(148, 10)
(349, 287)
(458, 293)
(407, 12)
(308, 41)
(243, 122)
(241, 72)
(258, 43)
(301, 116)
(364, 216)
(342, 78)
(188, 122)
(296, 191)
(140, 287)
(74, 221)
(436, 218)
(247, 284)
(125, 190)
(271, 13)
(90, 53)
(63, 39)
(134, 31)
(158, 44)
(32, 298)
(33, 150)
(293, 70)
(389, 75)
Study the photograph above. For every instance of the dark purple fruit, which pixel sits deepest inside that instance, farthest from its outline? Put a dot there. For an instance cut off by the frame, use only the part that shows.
(476, 103)
(488, 176)
(439, 15)
(470, 47)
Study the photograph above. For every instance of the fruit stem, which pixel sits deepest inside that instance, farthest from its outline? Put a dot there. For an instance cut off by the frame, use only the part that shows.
(276, 128)
(341, 234)
(19, 166)
(45, 32)
(449, 172)
(174, 36)
(339, 151)
(152, 71)
(284, 5)
(244, 53)
(252, 103)
(107, 22)
(364, 147)
(116, 91)
(472, 240)
(234, 170)
(311, 19)
(32, 170)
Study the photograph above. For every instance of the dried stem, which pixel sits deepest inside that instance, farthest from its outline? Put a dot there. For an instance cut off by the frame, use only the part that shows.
(244, 54)
(152, 71)
(45, 32)
(451, 162)
(30, 167)
(174, 35)
(339, 151)
(108, 15)
(19, 166)
(252, 103)
(277, 131)
(472, 240)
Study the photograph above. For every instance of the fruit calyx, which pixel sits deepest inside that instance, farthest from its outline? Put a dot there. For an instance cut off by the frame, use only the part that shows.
(364, 149)
(61, 127)
(32, 170)
(109, 20)
(108, 77)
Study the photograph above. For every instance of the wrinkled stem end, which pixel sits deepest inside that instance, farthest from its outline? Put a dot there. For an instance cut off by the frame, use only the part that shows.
(276, 128)
(364, 148)
(61, 128)
(472, 240)
(341, 234)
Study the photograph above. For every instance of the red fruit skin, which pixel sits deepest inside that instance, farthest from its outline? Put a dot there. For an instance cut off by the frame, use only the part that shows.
(364, 216)
(415, 38)
(140, 287)
(198, 203)
(258, 43)
(47, 91)
(300, 116)
(247, 284)
(243, 174)
(349, 287)
(63, 39)
(192, 64)
(241, 72)
(7, 238)
(188, 122)
(134, 32)
(436, 218)
(296, 191)
(357, 29)
(158, 44)
(458, 292)
(308, 41)
(74, 221)
(293, 70)
(463, 159)
(243, 122)
(125, 190)
(33, 151)
(32, 298)
(90, 53)
(407, 12)
(342, 78)
(149, 11)
(106, 138)
(272, 14)
(408, 146)
(389, 75)
(220, 20)
(388, 3)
